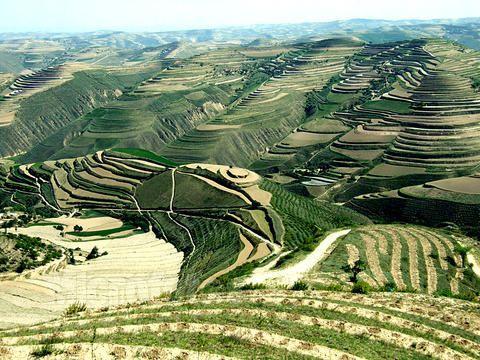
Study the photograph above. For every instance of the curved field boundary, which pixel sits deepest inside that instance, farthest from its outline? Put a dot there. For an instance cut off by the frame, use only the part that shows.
(241, 259)
(89, 351)
(431, 271)
(372, 259)
(396, 264)
(236, 306)
(243, 333)
(413, 306)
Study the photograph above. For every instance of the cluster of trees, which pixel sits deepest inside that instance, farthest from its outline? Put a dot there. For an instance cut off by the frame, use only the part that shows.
(476, 84)
(95, 253)
(29, 253)
(21, 220)
(135, 219)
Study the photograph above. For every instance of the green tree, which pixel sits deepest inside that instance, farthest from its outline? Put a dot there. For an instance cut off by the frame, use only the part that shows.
(355, 269)
(462, 251)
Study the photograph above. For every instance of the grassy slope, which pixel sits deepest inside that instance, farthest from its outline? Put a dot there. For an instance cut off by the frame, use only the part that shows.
(376, 326)
(61, 106)
(304, 217)
(399, 234)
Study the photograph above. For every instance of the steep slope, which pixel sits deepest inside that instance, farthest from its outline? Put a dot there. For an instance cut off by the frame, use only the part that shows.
(399, 114)
(269, 112)
(46, 112)
(167, 105)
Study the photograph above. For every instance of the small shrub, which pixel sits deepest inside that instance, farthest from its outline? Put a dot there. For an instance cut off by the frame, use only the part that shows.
(93, 254)
(75, 308)
(44, 350)
(253, 287)
(355, 270)
(21, 266)
(390, 287)
(451, 260)
(361, 287)
(462, 251)
(300, 286)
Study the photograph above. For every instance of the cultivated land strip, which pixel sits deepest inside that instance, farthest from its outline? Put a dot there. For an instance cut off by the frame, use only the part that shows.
(94, 351)
(389, 319)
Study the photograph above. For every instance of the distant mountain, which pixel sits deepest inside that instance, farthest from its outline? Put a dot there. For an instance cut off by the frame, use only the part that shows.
(464, 30)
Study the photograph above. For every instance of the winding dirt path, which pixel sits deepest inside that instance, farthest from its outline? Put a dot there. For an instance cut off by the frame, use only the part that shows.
(290, 275)
(170, 212)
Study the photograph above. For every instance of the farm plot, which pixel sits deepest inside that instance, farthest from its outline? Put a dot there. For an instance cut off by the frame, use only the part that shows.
(266, 114)
(269, 324)
(403, 258)
(30, 83)
(134, 268)
(220, 217)
(172, 101)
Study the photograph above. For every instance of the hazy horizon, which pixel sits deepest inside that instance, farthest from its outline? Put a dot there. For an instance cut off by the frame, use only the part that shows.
(56, 16)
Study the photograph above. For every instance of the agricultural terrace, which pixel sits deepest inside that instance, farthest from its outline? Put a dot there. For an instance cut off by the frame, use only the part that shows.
(30, 83)
(448, 200)
(267, 112)
(219, 217)
(405, 258)
(129, 267)
(416, 115)
(267, 324)
(168, 104)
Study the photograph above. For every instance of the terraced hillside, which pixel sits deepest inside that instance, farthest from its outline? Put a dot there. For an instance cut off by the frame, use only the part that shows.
(30, 83)
(211, 250)
(400, 257)
(166, 105)
(433, 139)
(451, 200)
(42, 100)
(267, 324)
(269, 112)
(218, 218)
(336, 141)
(49, 110)
(399, 114)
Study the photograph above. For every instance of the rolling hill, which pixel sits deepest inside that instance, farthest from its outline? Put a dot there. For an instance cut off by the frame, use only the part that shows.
(271, 192)
(218, 218)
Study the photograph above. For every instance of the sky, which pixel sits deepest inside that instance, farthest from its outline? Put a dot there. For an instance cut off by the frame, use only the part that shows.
(161, 15)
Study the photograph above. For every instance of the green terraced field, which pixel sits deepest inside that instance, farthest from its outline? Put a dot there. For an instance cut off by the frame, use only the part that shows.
(268, 324)
(218, 216)
(405, 258)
